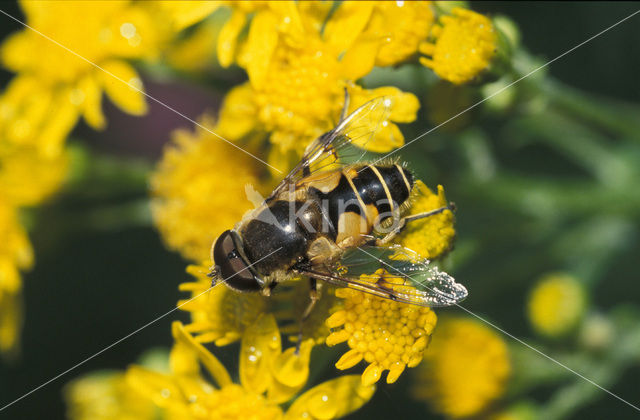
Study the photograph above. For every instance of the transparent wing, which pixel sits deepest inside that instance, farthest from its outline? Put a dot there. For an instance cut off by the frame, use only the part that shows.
(404, 278)
(336, 148)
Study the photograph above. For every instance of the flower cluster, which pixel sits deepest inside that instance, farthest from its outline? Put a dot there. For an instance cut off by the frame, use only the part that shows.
(76, 52)
(300, 58)
(269, 378)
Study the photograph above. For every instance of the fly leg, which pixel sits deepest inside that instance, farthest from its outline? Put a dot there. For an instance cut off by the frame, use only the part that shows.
(313, 298)
(403, 222)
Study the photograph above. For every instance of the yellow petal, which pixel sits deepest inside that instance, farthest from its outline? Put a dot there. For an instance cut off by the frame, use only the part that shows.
(290, 372)
(58, 124)
(395, 372)
(180, 362)
(186, 13)
(92, 103)
(124, 87)
(238, 115)
(159, 387)
(360, 58)
(332, 399)
(349, 359)
(13, 51)
(337, 337)
(292, 369)
(228, 37)
(261, 43)
(404, 105)
(260, 345)
(337, 319)
(347, 23)
(371, 374)
(387, 138)
(288, 13)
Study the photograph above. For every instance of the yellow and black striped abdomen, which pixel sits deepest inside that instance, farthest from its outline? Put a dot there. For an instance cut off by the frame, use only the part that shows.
(354, 198)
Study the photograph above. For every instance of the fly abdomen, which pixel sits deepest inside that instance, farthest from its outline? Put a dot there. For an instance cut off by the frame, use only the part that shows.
(386, 187)
(357, 198)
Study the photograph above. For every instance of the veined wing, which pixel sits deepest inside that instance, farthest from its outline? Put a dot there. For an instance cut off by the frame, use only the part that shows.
(327, 151)
(393, 273)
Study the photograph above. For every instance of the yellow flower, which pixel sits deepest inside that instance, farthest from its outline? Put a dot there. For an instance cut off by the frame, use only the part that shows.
(465, 368)
(220, 315)
(54, 86)
(432, 236)
(197, 188)
(465, 43)
(268, 378)
(106, 396)
(28, 177)
(296, 82)
(388, 335)
(556, 304)
(399, 26)
(15, 255)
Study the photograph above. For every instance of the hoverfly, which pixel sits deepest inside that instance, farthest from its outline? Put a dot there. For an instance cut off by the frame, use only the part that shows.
(323, 221)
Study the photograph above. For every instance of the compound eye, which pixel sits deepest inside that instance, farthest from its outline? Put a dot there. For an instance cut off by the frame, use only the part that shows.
(234, 270)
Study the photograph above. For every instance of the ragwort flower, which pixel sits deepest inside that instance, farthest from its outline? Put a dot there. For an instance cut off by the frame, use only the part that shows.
(196, 189)
(465, 368)
(432, 236)
(464, 44)
(556, 304)
(54, 86)
(268, 378)
(388, 335)
(297, 77)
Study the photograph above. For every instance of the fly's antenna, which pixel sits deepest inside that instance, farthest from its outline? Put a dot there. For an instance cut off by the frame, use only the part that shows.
(213, 275)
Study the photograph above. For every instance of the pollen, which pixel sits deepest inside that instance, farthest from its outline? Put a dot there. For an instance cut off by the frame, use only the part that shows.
(464, 44)
(385, 334)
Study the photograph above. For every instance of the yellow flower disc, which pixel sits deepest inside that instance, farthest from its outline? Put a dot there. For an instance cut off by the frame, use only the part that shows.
(465, 43)
(300, 94)
(465, 368)
(198, 190)
(556, 304)
(388, 335)
(432, 236)
(219, 315)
